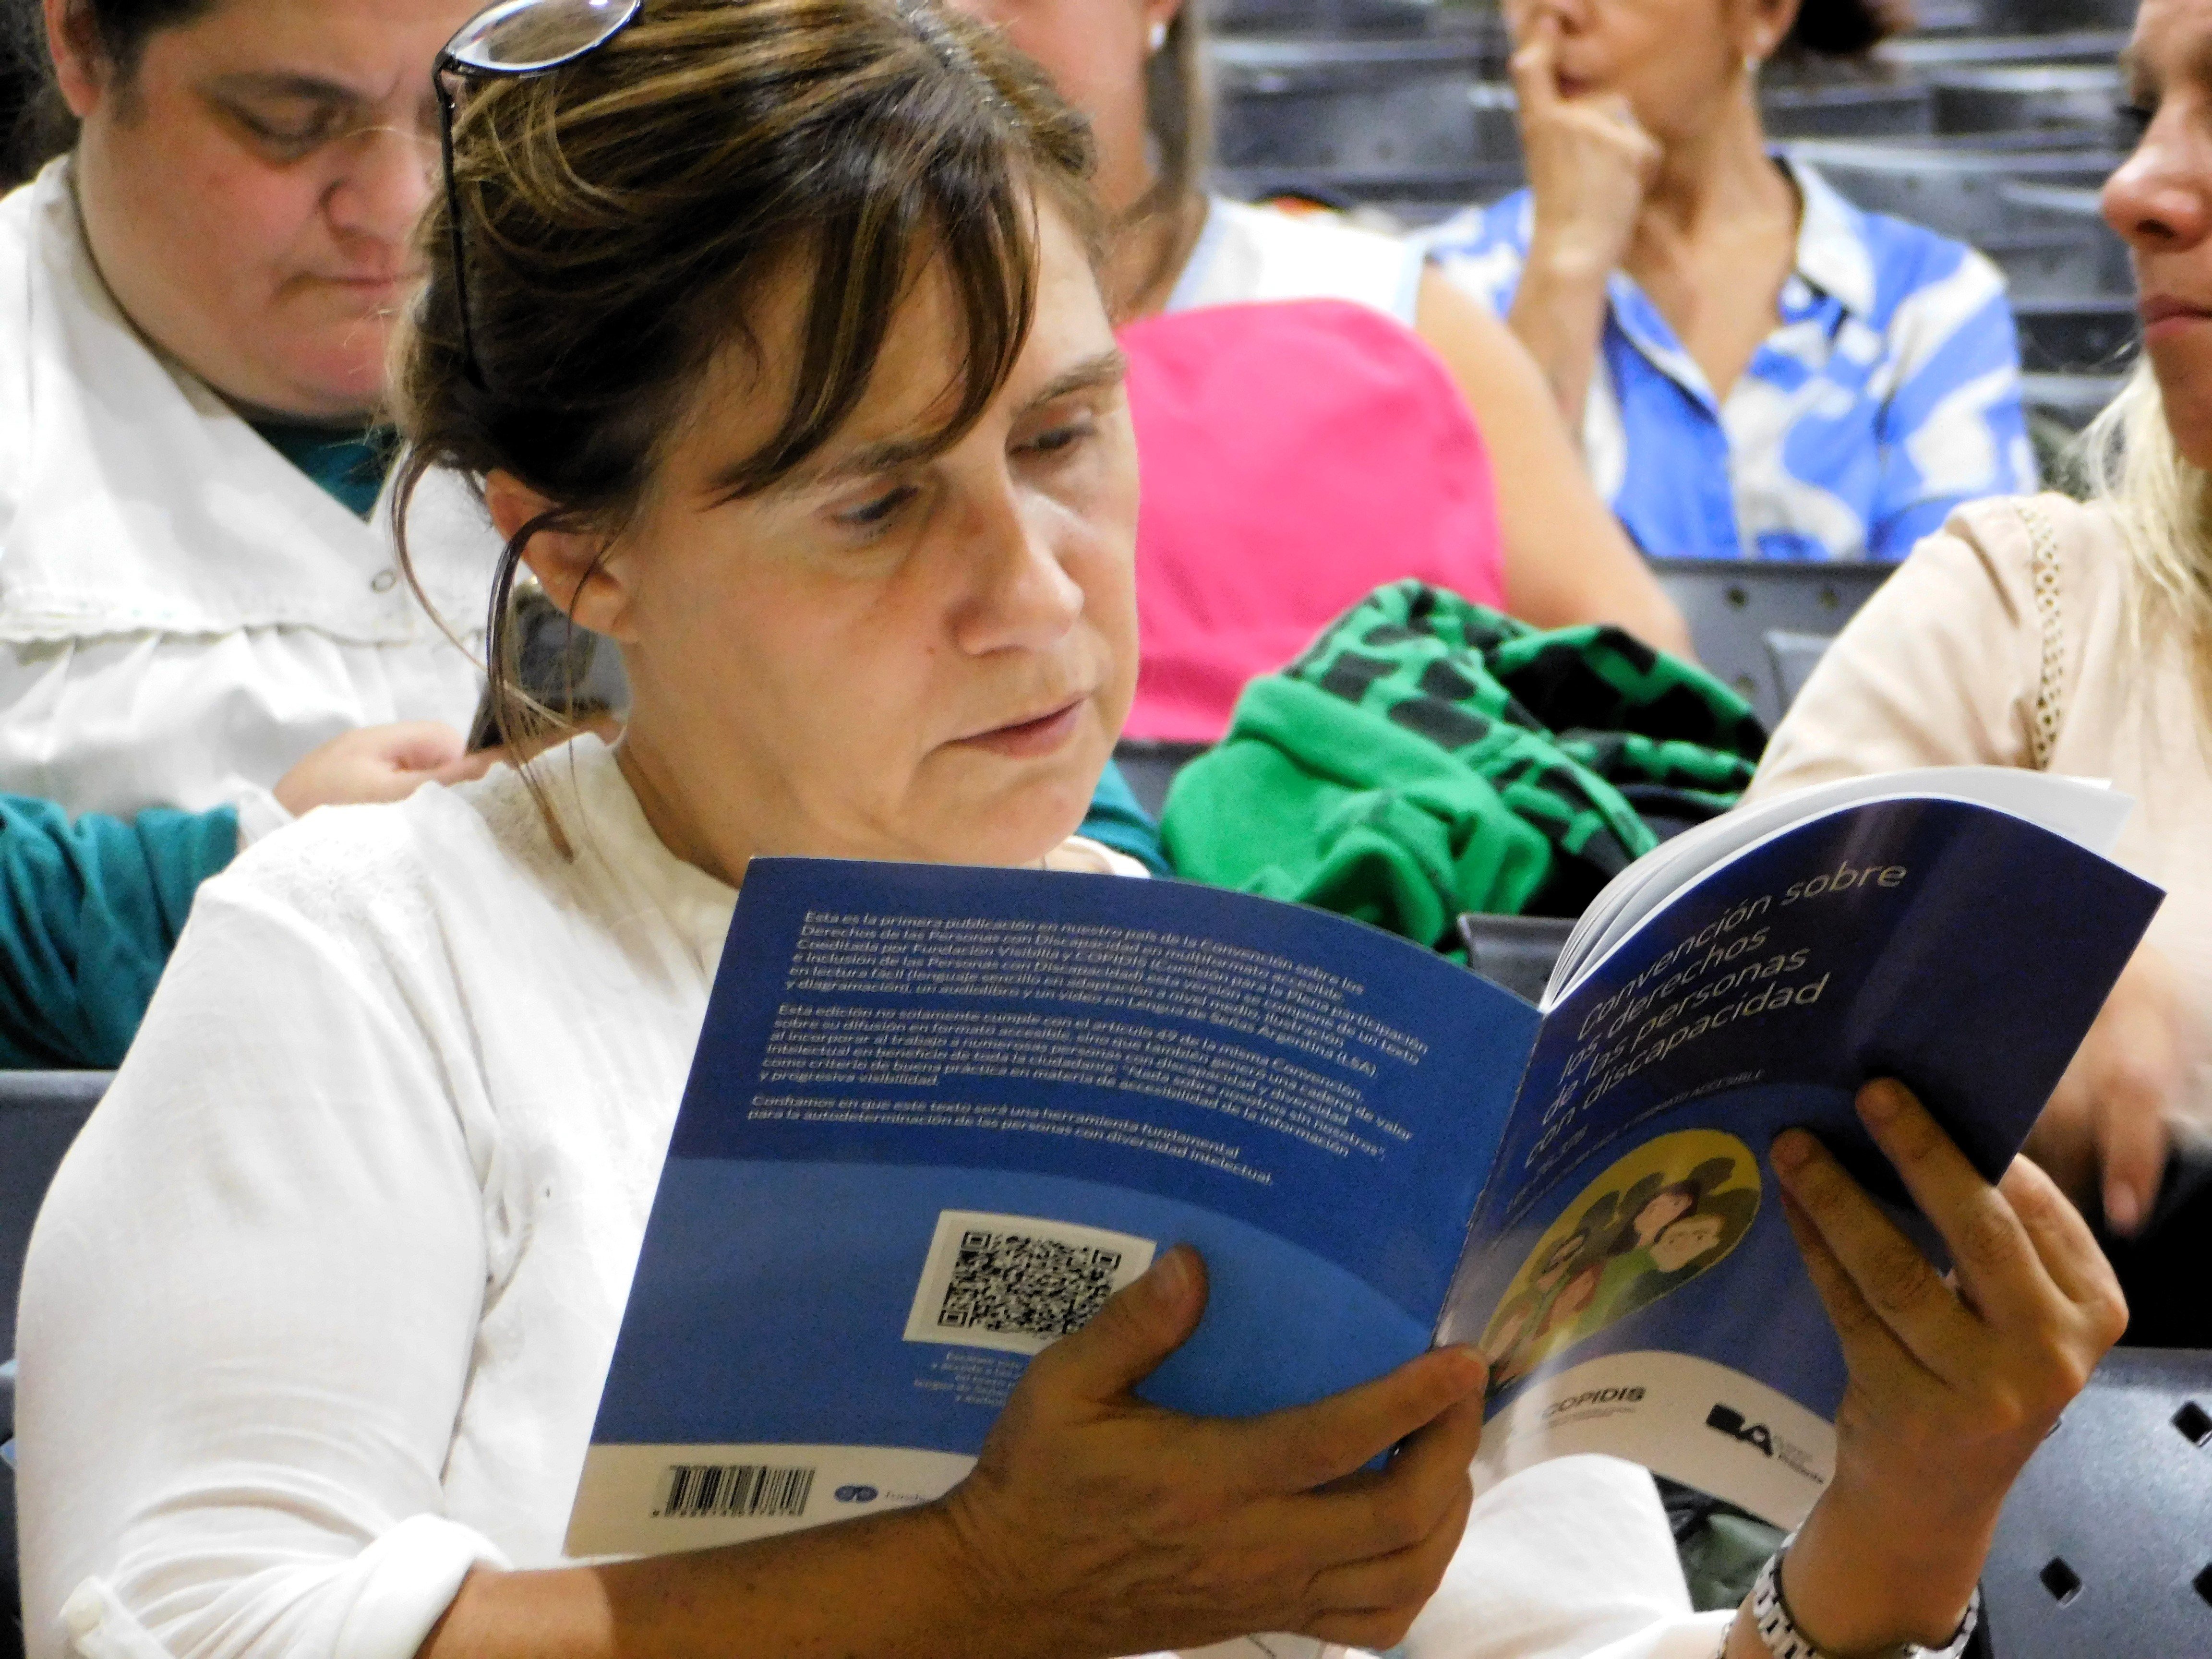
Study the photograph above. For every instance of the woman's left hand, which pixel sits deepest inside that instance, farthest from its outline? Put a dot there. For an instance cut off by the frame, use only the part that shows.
(1955, 1378)
(2103, 1135)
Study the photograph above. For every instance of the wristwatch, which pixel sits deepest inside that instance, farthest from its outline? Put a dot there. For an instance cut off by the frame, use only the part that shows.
(1770, 1614)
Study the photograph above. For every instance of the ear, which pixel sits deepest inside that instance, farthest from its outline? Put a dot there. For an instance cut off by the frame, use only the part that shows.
(581, 571)
(1160, 13)
(1765, 25)
(82, 70)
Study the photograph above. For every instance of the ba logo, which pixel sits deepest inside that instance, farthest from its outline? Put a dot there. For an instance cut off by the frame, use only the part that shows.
(856, 1494)
(1729, 1421)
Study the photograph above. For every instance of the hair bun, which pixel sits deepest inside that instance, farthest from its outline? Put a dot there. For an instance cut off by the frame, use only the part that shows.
(1846, 28)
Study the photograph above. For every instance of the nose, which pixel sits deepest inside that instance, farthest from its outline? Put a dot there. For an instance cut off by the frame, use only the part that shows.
(2157, 199)
(1522, 15)
(1019, 597)
(383, 185)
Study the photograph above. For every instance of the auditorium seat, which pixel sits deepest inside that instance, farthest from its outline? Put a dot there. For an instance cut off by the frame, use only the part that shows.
(1759, 624)
(40, 1113)
(2105, 1544)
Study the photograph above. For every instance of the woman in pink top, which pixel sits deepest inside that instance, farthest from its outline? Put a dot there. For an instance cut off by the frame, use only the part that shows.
(1131, 66)
(1295, 456)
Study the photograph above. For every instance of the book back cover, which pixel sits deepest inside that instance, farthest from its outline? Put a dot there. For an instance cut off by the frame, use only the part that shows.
(938, 1115)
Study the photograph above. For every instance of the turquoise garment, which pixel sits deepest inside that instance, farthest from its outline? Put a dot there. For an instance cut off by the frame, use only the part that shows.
(348, 466)
(89, 912)
(1117, 821)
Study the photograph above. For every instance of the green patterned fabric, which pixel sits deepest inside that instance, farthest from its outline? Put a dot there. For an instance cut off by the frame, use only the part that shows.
(1428, 756)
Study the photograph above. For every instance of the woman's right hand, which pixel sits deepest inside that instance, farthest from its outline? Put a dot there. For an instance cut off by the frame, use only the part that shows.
(1589, 164)
(377, 763)
(1119, 1527)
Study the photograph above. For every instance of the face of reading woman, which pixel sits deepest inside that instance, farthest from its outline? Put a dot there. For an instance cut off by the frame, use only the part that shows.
(2160, 200)
(891, 655)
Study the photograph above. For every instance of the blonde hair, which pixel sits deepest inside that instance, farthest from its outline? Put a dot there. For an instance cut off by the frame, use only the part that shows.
(2161, 502)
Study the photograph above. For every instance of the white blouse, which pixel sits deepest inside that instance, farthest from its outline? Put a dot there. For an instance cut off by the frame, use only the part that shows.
(1246, 253)
(1944, 667)
(183, 612)
(319, 1308)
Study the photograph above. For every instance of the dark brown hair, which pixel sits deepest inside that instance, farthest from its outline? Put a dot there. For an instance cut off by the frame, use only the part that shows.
(1178, 112)
(42, 126)
(619, 215)
(1847, 28)
(1179, 121)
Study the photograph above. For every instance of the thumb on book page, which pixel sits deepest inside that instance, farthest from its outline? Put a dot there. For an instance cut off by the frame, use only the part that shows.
(1131, 1336)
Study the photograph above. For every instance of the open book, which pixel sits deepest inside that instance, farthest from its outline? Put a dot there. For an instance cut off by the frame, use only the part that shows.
(939, 1114)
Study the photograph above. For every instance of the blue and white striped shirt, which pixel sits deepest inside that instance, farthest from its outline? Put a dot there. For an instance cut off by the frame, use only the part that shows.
(1888, 395)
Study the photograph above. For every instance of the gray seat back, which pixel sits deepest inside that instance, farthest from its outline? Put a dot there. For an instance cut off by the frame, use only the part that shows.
(1759, 624)
(2105, 1544)
(40, 1113)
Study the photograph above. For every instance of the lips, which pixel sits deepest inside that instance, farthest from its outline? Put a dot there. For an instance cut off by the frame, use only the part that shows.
(2166, 313)
(1039, 734)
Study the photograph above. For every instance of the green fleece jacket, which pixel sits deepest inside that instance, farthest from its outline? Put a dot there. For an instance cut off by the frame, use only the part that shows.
(1427, 758)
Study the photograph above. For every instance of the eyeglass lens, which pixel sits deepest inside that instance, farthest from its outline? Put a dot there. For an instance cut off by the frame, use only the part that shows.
(517, 37)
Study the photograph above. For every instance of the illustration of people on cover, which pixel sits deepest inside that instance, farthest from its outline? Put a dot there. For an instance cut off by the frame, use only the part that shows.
(1657, 1217)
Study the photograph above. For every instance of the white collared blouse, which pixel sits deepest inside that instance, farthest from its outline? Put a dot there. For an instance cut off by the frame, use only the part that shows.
(183, 612)
(319, 1309)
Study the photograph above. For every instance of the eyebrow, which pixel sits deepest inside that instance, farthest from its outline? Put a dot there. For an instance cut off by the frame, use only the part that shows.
(276, 83)
(1108, 367)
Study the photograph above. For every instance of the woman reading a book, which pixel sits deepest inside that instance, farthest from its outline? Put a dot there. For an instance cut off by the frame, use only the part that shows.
(771, 329)
(2077, 638)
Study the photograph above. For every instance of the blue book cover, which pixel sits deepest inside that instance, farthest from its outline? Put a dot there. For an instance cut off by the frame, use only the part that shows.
(939, 1114)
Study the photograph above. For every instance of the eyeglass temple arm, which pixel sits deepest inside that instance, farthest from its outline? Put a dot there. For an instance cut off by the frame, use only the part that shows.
(457, 241)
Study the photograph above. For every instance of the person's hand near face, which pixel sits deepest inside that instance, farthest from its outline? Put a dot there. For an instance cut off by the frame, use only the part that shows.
(1589, 162)
(1624, 108)
(250, 186)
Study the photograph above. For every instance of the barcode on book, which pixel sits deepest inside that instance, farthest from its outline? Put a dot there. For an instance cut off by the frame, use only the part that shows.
(1018, 1282)
(688, 1490)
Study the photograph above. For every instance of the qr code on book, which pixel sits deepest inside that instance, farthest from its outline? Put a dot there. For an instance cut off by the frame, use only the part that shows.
(1018, 1282)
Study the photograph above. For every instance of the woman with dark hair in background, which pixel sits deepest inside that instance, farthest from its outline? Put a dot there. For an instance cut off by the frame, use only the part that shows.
(194, 304)
(1758, 368)
(203, 632)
